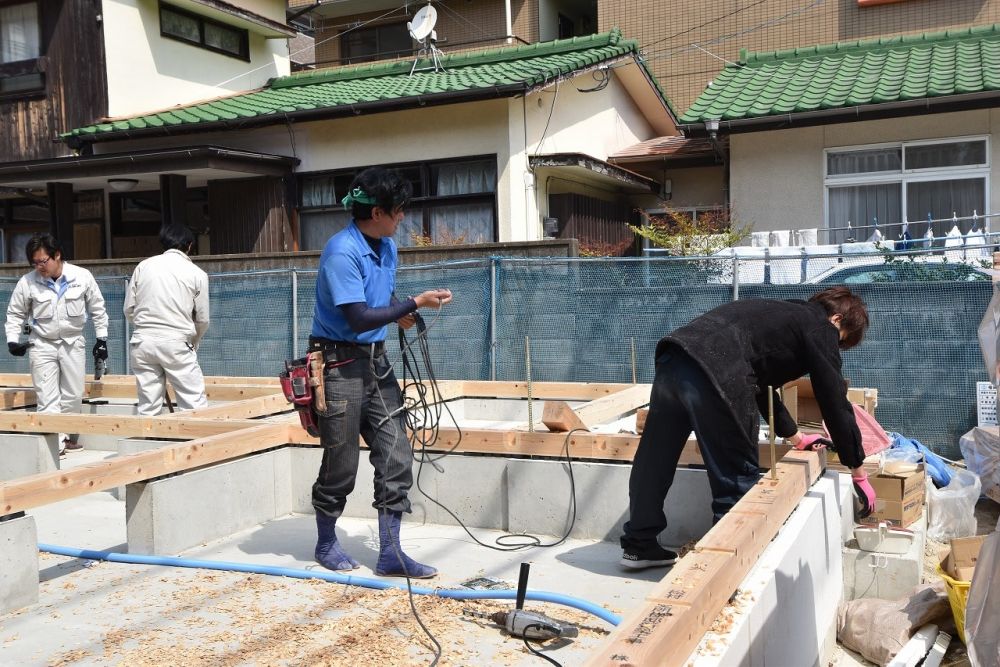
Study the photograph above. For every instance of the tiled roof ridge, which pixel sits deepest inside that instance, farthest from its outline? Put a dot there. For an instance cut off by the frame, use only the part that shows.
(480, 57)
(937, 38)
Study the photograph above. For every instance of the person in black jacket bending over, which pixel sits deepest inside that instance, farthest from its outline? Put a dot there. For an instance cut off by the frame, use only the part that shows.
(712, 377)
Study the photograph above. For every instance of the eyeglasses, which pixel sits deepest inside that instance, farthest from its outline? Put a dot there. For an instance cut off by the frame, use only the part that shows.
(40, 262)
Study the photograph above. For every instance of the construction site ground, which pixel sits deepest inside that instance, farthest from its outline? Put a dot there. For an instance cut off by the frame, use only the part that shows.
(101, 613)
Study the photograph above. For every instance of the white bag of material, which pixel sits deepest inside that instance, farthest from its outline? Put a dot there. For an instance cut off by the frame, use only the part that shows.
(982, 611)
(952, 510)
(981, 451)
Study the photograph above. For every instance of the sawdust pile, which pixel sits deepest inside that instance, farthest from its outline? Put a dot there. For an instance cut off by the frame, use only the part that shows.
(227, 619)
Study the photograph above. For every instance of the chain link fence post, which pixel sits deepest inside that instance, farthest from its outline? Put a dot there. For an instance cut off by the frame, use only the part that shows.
(295, 314)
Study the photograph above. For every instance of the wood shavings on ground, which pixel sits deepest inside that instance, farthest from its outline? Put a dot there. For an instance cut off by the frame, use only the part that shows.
(221, 619)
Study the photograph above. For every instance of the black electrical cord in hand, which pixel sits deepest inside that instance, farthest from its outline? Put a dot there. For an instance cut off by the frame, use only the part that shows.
(423, 424)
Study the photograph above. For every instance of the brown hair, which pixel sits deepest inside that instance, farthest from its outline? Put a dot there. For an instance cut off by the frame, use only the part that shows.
(853, 313)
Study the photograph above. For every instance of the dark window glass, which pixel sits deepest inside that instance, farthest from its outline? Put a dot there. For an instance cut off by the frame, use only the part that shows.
(204, 32)
(956, 154)
(20, 42)
(376, 42)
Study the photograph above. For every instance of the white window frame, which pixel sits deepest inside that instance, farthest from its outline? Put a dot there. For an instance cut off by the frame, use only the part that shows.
(906, 176)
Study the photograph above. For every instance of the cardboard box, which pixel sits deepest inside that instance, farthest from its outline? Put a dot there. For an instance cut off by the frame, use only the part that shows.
(800, 400)
(899, 499)
(960, 558)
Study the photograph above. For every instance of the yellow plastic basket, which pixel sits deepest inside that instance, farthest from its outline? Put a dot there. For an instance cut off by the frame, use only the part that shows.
(958, 596)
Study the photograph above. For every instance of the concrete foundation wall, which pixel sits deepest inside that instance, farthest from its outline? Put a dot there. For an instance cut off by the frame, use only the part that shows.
(788, 603)
(173, 514)
(19, 555)
(26, 454)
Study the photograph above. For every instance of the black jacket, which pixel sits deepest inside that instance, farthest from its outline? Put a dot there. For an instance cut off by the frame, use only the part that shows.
(746, 346)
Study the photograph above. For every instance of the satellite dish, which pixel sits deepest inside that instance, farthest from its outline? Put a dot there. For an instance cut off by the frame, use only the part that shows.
(423, 22)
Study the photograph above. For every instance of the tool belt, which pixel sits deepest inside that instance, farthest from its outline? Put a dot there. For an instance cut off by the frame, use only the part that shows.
(335, 351)
(302, 383)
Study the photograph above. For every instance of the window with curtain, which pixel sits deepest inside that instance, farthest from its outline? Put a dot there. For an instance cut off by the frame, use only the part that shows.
(391, 40)
(20, 42)
(906, 182)
(454, 202)
(184, 26)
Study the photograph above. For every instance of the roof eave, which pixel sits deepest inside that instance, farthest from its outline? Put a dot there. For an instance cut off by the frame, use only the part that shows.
(380, 106)
(850, 114)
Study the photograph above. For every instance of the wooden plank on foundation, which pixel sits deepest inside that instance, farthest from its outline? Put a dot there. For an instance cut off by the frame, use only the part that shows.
(218, 392)
(669, 627)
(121, 425)
(558, 416)
(46, 488)
(641, 415)
(571, 391)
(16, 398)
(246, 409)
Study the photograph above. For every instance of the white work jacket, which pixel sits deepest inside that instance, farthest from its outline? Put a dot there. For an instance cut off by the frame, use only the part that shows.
(167, 299)
(37, 301)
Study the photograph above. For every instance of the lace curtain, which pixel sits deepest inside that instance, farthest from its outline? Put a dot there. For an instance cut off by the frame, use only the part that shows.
(19, 32)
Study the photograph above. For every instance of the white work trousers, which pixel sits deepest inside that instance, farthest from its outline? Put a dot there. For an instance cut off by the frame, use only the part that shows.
(153, 362)
(57, 372)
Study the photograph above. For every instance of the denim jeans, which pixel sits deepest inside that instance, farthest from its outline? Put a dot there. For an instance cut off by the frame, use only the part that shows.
(683, 399)
(362, 400)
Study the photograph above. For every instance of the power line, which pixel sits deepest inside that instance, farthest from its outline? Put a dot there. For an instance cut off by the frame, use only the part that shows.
(706, 23)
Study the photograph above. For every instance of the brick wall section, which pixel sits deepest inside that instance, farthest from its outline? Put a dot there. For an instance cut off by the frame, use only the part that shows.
(668, 30)
(459, 21)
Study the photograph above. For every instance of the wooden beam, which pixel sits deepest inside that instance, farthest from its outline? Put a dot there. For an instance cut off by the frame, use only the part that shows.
(125, 426)
(641, 415)
(50, 487)
(681, 608)
(555, 415)
(248, 408)
(218, 392)
(16, 398)
(573, 391)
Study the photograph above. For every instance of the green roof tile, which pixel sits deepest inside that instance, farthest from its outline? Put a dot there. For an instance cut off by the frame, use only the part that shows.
(523, 66)
(876, 71)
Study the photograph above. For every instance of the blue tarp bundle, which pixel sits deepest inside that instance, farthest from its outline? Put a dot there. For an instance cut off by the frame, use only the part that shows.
(936, 466)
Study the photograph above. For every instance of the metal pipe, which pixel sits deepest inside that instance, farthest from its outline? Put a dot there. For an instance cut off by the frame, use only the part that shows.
(736, 278)
(527, 374)
(635, 376)
(493, 318)
(508, 20)
(770, 431)
(295, 315)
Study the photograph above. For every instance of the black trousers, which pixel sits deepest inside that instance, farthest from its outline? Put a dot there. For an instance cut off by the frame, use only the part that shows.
(683, 399)
(362, 400)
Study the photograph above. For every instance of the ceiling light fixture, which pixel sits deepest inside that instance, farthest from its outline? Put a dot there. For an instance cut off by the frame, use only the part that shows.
(122, 184)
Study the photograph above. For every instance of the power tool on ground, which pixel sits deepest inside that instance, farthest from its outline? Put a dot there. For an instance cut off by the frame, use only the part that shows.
(519, 622)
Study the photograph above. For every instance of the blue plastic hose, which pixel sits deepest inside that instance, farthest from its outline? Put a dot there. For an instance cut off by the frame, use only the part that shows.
(348, 579)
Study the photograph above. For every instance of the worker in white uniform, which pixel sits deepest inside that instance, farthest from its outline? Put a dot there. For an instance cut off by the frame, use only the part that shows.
(51, 305)
(167, 304)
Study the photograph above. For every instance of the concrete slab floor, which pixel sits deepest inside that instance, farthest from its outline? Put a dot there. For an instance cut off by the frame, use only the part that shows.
(116, 614)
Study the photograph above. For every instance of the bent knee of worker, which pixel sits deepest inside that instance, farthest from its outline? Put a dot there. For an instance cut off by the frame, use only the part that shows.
(333, 424)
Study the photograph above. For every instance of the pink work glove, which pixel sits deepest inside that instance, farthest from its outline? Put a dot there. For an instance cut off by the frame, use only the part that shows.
(865, 493)
(813, 442)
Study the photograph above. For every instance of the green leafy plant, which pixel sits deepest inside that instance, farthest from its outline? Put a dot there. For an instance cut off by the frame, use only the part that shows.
(684, 235)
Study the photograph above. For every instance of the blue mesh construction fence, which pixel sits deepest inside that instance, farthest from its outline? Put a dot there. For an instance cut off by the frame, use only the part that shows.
(598, 320)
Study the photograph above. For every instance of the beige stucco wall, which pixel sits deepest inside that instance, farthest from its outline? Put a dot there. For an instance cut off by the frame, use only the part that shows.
(596, 124)
(697, 186)
(147, 72)
(777, 176)
(266, 8)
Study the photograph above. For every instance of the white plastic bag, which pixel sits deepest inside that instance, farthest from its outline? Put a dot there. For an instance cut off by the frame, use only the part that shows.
(982, 612)
(981, 451)
(952, 510)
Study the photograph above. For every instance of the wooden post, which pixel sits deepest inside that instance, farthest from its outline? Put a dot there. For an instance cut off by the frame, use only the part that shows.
(61, 216)
(173, 200)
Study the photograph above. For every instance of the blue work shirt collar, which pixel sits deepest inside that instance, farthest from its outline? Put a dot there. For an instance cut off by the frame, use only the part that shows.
(359, 238)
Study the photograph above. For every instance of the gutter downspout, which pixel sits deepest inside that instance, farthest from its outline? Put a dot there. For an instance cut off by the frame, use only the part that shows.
(510, 23)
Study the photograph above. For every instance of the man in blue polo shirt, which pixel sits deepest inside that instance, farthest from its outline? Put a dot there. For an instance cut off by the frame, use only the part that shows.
(354, 306)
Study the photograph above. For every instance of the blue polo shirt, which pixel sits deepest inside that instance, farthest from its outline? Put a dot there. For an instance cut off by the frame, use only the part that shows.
(350, 272)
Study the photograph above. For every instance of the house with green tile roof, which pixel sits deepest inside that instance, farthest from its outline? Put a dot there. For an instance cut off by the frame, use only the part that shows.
(494, 142)
(849, 138)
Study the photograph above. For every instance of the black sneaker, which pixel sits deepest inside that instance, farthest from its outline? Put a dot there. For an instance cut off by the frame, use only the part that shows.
(639, 558)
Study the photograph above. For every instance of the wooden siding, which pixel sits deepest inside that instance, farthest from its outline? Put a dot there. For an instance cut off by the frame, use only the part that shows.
(249, 215)
(75, 93)
(599, 226)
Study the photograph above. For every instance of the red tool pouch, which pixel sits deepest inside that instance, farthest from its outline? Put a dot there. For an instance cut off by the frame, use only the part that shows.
(299, 392)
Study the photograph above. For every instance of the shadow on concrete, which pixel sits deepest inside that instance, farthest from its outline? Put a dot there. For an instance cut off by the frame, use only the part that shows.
(602, 559)
(74, 565)
(296, 537)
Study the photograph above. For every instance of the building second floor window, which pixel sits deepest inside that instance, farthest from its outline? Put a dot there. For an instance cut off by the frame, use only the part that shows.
(20, 48)
(184, 26)
(375, 43)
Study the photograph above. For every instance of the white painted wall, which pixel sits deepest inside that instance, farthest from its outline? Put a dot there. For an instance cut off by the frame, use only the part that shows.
(776, 177)
(266, 8)
(147, 72)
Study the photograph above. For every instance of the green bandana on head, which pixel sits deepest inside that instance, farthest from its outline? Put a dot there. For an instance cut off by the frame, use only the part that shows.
(357, 195)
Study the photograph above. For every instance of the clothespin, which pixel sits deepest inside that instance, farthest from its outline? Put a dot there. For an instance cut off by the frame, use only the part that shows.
(850, 236)
(975, 221)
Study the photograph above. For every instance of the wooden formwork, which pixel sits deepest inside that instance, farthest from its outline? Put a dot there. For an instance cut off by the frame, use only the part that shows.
(257, 417)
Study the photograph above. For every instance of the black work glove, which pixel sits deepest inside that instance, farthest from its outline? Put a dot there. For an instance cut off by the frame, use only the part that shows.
(101, 349)
(18, 349)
